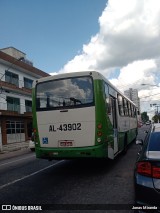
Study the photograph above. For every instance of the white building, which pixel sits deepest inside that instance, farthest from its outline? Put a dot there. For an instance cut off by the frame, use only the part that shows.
(132, 94)
(16, 77)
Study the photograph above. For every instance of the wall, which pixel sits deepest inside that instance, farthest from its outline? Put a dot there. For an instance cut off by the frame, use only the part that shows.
(3, 94)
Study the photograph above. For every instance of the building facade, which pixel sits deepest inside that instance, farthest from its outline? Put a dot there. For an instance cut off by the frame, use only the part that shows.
(16, 76)
(132, 94)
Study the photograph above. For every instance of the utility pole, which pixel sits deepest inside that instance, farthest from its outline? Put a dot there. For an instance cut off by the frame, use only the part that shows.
(157, 112)
(157, 115)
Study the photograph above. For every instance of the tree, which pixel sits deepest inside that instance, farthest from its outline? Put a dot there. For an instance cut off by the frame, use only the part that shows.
(156, 118)
(144, 116)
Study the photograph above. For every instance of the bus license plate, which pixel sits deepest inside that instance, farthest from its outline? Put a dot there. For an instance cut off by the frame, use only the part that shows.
(65, 143)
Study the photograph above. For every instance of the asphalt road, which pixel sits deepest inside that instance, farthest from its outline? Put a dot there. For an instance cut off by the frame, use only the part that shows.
(69, 184)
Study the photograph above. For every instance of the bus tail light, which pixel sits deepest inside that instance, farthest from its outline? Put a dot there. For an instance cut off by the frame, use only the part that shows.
(99, 140)
(99, 126)
(99, 134)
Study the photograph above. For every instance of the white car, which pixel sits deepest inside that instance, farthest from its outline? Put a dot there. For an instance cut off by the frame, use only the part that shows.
(31, 145)
(147, 123)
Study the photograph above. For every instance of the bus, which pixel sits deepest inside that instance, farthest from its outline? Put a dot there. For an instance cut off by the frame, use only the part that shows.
(81, 115)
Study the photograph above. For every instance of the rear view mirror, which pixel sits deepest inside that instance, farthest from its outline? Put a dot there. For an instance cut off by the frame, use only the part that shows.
(139, 142)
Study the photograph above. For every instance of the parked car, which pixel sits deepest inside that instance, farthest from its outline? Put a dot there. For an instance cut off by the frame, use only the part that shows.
(148, 123)
(31, 145)
(147, 170)
(140, 124)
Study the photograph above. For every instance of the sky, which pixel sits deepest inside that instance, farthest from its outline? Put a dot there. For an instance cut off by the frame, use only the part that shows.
(118, 38)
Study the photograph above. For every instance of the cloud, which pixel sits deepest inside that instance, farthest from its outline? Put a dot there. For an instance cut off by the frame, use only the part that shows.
(128, 40)
(135, 74)
(129, 31)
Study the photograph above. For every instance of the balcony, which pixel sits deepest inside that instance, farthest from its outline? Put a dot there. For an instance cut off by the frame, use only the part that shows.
(9, 86)
(15, 114)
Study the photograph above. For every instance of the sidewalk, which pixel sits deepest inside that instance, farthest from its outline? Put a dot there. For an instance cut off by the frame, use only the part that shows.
(15, 153)
(14, 147)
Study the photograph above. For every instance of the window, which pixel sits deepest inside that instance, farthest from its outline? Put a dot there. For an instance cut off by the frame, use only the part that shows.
(154, 144)
(12, 78)
(129, 109)
(125, 106)
(108, 100)
(65, 93)
(28, 83)
(13, 104)
(132, 110)
(120, 105)
(14, 127)
(28, 105)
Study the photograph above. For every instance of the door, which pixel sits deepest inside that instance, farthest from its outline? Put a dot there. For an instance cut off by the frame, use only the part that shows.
(114, 120)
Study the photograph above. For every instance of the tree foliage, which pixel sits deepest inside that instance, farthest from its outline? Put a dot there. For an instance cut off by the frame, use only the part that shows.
(156, 118)
(144, 116)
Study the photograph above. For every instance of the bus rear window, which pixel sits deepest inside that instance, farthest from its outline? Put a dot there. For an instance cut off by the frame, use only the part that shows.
(65, 93)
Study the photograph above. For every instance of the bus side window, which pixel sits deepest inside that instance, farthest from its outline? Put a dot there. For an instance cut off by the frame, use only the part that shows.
(132, 111)
(109, 105)
(135, 114)
(107, 98)
(125, 107)
(120, 105)
(129, 107)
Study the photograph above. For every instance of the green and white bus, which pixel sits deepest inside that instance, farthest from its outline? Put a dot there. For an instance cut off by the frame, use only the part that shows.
(81, 115)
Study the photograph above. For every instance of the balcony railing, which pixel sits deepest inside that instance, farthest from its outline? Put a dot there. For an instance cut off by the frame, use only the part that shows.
(9, 86)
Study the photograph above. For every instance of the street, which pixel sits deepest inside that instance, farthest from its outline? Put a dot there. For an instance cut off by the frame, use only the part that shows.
(86, 184)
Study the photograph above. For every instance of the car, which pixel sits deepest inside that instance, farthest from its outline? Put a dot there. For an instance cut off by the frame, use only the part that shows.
(148, 123)
(31, 145)
(147, 170)
(140, 124)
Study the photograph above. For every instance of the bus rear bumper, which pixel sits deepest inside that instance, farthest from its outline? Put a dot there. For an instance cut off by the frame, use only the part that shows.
(99, 151)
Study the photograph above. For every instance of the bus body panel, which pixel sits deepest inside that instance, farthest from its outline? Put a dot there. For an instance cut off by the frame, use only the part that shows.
(68, 128)
(97, 130)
